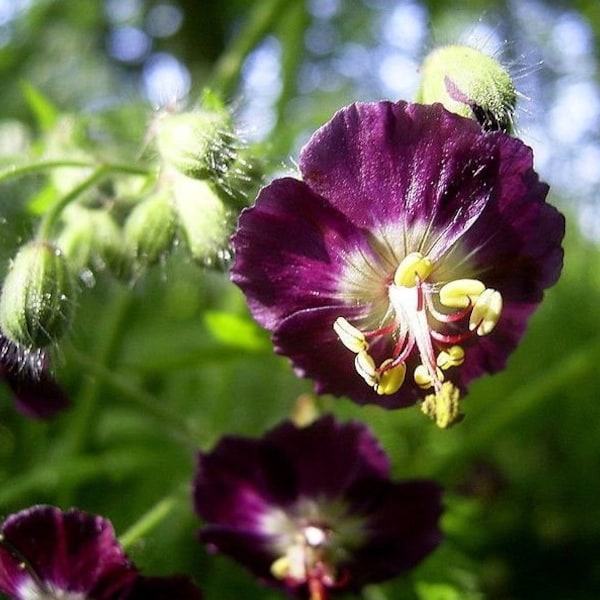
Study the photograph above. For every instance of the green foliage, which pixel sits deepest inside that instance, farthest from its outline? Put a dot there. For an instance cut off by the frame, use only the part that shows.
(161, 364)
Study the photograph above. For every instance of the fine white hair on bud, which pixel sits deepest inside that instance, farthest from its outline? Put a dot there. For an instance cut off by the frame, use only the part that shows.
(470, 83)
(201, 143)
(38, 296)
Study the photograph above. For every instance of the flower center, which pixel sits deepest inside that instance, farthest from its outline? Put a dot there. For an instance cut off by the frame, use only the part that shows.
(30, 590)
(307, 560)
(431, 319)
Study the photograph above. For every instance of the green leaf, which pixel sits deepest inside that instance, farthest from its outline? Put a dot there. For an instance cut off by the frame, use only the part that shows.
(41, 201)
(437, 591)
(233, 330)
(44, 111)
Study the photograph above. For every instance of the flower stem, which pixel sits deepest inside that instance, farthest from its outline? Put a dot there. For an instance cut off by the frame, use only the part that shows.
(54, 212)
(261, 20)
(114, 317)
(148, 521)
(180, 427)
(15, 171)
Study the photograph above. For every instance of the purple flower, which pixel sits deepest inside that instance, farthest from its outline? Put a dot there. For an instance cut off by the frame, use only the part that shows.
(48, 554)
(409, 257)
(313, 509)
(36, 392)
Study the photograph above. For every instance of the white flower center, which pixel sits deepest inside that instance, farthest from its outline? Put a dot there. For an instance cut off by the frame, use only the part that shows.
(31, 590)
(431, 318)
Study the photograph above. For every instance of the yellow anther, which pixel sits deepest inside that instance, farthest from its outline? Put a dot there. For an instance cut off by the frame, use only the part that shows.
(412, 266)
(390, 380)
(280, 567)
(365, 367)
(460, 292)
(486, 312)
(424, 379)
(352, 338)
(443, 407)
(452, 357)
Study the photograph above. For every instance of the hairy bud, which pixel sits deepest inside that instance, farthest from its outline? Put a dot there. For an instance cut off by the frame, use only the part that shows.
(206, 220)
(150, 228)
(37, 301)
(91, 238)
(199, 143)
(471, 84)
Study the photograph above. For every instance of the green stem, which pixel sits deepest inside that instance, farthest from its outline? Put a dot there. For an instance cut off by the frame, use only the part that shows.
(261, 20)
(54, 212)
(148, 521)
(293, 29)
(53, 476)
(151, 405)
(47, 165)
(113, 319)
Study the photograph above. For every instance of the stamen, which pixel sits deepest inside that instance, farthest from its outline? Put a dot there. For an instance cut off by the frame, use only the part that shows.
(424, 378)
(416, 305)
(452, 357)
(350, 336)
(280, 567)
(414, 266)
(486, 312)
(460, 293)
(391, 378)
(365, 367)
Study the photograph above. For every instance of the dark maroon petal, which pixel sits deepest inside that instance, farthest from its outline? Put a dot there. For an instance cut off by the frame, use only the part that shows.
(36, 392)
(290, 249)
(242, 479)
(176, 587)
(489, 354)
(399, 163)
(36, 396)
(308, 340)
(403, 528)
(329, 457)
(71, 551)
(251, 550)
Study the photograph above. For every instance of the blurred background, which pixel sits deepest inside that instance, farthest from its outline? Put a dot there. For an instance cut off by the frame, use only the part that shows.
(521, 472)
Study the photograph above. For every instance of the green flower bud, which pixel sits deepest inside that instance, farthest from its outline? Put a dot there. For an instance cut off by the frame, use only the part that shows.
(37, 301)
(150, 228)
(91, 238)
(471, 84)
(206, 220)
(200, 144)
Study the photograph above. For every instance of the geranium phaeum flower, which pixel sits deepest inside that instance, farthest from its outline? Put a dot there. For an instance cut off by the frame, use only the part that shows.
(313, 509)
(48, 554)
(407, 260)
(35, 391)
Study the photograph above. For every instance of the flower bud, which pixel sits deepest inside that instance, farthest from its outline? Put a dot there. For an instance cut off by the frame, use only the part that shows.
(471, 84)
(91, 238)
(206, 221)
(199, 144)
(37, 301)
(150, 228)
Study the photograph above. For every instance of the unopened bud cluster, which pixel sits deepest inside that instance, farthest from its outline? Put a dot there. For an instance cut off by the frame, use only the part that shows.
(194, 190)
